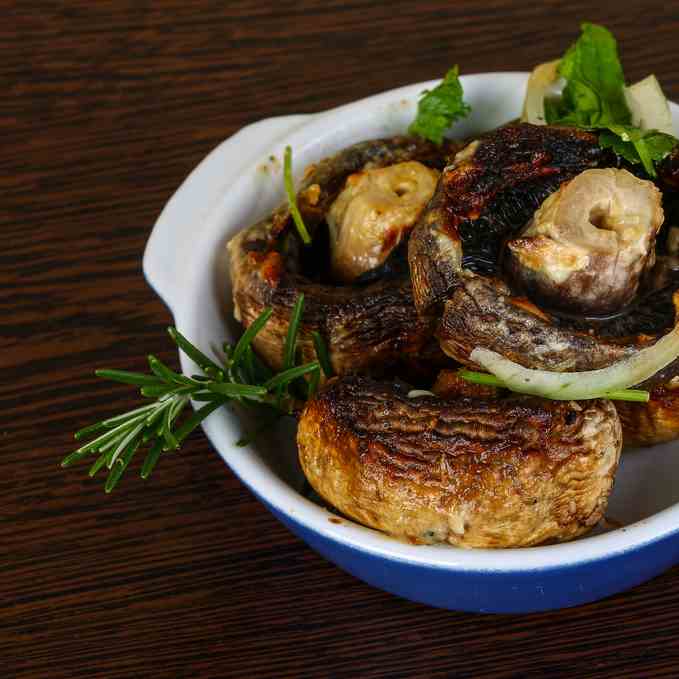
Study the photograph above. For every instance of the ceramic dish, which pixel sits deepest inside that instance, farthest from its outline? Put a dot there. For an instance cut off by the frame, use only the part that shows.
(237, 184)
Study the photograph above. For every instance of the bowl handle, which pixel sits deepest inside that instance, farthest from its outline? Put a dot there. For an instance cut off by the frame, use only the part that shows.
(181, 221)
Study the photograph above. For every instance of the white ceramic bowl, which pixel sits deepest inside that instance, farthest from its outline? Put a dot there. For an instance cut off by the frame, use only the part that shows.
(240, 182)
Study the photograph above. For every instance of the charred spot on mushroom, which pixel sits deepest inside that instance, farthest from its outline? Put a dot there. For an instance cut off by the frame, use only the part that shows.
(589, 244)
(481, 203)
(486, 196)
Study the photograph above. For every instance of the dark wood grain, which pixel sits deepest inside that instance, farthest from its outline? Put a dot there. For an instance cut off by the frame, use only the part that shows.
(106, 106)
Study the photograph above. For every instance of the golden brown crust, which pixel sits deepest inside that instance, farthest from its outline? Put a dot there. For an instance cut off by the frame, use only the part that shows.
(645, 424)
(470, 472)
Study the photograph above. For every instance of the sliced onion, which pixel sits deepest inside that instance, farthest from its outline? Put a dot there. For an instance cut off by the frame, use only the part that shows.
(582, 385)
(542, 82)
(648, 106)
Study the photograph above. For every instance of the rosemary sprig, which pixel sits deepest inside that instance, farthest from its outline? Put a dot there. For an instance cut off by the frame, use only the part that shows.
(243, 378)
(322, 354)
(292, 198)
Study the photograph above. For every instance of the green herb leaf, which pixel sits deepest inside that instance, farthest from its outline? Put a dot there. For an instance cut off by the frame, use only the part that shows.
(164, 373)
(249, 335)
(439, 108)
(151, 459)
(322, 354)
(205, 363)
(313, 383)
(120, 466)
(635, 395)
(480, 378)
(292, 197)
(287, 376)
(594, 94)
(637, 146)
(235, 390)
(154, 391)
(594, 98)
(245, 379)
(128, 377)
(291, 338)
(197, 417)
(99, 463)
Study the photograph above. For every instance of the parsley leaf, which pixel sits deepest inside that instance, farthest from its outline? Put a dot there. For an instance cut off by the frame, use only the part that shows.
(594, 98)
(439, 108)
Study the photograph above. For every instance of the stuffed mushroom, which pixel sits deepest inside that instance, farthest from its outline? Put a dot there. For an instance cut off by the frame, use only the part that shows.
(359, 206)
(538, 247)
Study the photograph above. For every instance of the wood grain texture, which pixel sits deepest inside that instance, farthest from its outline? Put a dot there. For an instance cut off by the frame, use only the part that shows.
(106, 107)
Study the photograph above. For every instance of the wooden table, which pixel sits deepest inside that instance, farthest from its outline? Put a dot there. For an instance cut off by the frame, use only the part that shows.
(106, 106)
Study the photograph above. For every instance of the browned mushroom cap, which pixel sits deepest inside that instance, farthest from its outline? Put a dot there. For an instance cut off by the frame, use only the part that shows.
(368, 325)
(471, 472)
(646, 424)
(455, 258)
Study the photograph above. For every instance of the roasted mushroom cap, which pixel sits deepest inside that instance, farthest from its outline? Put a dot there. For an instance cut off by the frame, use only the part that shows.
(455, 251)
(646, 424)
(368, 325)
(471, 472)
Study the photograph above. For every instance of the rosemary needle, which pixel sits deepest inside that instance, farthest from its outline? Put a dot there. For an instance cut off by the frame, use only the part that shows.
(292, 198)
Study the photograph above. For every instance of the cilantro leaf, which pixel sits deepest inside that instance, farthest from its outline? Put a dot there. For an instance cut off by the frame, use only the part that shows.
(594, 98)
(439, 108)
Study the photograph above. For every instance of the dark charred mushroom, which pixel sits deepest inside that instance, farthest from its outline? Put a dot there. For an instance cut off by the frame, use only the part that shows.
(460, 268)
(472, 472)
(369, 324)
